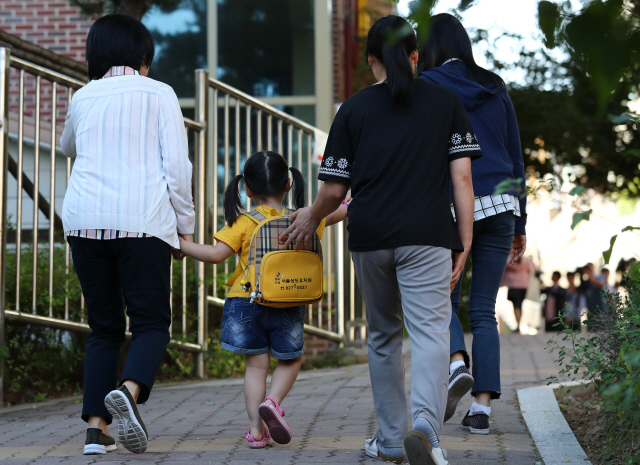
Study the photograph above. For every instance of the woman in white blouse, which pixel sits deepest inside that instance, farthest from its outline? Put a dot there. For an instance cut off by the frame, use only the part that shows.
(128, 198)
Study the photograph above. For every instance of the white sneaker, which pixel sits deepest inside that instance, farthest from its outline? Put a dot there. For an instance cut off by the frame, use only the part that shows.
(420, 452)
(371, 449)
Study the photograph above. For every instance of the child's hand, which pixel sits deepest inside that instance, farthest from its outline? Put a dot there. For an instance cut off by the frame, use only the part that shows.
(348, 197)
(177, 254)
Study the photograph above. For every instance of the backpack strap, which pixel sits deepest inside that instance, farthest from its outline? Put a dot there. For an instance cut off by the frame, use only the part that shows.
(255, 215)
(257, 218)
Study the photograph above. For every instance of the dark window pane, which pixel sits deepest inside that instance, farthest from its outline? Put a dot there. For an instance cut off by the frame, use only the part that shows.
(265, 47)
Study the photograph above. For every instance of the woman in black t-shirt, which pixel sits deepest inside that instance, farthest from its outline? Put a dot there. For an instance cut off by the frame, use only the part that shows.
(399, 145)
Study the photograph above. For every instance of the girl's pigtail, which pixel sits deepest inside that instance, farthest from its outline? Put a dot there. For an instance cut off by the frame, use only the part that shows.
(298, 188)
(231, 202)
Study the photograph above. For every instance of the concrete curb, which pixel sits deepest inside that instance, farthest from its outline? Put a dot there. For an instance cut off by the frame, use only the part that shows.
(550, 431)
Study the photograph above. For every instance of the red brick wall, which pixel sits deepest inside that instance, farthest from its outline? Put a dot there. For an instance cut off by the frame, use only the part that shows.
(316, 347)
(54, 25)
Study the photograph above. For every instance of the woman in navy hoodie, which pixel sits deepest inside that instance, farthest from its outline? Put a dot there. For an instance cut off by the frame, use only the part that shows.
(499, 220)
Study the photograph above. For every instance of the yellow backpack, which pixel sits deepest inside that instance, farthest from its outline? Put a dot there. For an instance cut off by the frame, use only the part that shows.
(278, 276)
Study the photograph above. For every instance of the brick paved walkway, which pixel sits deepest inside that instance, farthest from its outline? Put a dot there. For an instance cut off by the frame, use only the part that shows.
(331, 413)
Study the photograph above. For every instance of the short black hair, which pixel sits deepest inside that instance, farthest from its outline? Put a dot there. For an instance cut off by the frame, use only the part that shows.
(118, 40)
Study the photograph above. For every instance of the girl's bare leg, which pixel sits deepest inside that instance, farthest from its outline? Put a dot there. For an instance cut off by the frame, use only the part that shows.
(255, 388)
(283, 378)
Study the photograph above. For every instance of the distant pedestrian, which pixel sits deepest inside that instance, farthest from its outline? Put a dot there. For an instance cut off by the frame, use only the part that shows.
(499, 234)
(608, 287)
(593, 287)
(128, 198)
(576, 302)
(555, 304)
(248, 327)
(517, 277)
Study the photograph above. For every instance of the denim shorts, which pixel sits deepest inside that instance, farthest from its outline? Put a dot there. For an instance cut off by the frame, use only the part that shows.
(251, 328)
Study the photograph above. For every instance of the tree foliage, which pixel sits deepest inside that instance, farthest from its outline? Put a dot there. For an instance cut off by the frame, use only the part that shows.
(564, 106)
(135, 8)
(179, 55)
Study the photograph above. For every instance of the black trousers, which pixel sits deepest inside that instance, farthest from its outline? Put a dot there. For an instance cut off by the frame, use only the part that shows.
(113, 273)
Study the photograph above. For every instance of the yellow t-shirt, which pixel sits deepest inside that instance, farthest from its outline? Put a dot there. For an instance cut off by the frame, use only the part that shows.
(238, 237)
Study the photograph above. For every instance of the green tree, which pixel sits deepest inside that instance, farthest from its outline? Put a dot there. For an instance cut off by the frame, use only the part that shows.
(135, 8)
(564, 107)
(178, 55)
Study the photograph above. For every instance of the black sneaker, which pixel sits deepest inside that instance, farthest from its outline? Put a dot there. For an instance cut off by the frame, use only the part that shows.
(98, 443)
(477, 424)
(460, 382)
(132, 433)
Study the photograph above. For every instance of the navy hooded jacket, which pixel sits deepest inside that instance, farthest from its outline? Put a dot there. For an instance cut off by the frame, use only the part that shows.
(494, 122)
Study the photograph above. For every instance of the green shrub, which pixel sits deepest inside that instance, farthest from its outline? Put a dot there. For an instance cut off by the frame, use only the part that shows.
(42, 362)
(609, 357)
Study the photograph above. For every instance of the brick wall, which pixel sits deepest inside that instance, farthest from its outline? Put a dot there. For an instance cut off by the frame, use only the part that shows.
(316, 347)
(338, 47)
(54, 25)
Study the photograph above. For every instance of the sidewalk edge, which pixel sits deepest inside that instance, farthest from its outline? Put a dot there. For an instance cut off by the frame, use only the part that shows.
(550, 431)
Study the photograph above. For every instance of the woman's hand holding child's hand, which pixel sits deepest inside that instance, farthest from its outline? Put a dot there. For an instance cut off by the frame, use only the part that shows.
(178, 254)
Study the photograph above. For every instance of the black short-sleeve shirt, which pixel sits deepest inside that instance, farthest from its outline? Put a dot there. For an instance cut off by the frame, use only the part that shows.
(396, 160)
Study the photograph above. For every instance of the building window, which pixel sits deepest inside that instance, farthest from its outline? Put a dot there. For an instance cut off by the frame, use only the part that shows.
(266, 47)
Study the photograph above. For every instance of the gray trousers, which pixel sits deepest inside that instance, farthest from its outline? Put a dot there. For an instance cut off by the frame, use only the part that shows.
(414, 280)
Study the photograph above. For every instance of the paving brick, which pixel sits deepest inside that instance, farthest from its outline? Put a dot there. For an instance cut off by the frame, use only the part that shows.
(330, 411)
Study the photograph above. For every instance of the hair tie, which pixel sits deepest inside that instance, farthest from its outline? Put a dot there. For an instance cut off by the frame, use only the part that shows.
(289, 168)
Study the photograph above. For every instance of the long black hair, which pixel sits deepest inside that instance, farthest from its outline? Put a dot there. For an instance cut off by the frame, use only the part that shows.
(266, 174)
(118, 40)
(448, 39)
(391, 40)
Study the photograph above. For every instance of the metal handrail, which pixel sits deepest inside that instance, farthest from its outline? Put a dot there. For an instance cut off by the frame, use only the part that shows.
(49, 75)
(259, 126)
(83, 328)
(259, 105)
(192, 124)
(41, 73)
(278, 125)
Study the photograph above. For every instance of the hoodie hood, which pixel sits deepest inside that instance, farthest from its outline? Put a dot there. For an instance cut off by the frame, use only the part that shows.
(454, 76)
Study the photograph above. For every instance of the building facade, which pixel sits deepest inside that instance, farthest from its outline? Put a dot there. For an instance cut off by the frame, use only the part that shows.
(302, 56)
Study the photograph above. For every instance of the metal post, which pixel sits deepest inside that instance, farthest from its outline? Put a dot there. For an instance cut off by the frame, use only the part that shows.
(20, 170)
(340, 285)
(202, 79)
(213, 132)
(36, 190)
(5, 61)
(52, 192)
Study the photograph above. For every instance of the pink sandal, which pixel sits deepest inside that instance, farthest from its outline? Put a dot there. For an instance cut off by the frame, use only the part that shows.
(262, 443)
(272, 416)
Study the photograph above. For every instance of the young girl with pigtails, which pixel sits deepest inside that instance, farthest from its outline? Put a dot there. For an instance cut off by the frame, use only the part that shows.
(247, 326)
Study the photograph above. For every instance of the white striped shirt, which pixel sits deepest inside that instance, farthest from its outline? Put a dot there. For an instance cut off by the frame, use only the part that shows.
(132, 172)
